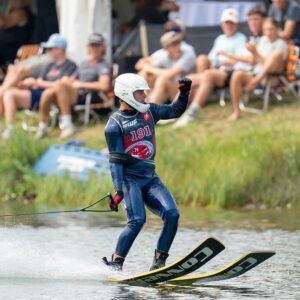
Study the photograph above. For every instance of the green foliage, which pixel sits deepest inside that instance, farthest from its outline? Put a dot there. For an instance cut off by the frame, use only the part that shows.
(211, 163)
(18, 181)
(54, 190)
(255, 164)
(17, 156)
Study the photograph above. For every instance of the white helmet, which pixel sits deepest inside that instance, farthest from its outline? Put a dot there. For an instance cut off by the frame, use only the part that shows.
(128, 83)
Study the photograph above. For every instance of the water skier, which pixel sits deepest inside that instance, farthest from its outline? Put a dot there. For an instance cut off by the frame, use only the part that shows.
(130, 136)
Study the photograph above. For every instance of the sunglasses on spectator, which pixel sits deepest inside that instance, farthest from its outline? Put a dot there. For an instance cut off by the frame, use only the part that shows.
(95, 45)
(176, 29)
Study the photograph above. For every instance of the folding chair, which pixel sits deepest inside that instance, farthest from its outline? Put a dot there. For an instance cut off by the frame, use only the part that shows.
(288, 80)
(26, 51)
(89, 109)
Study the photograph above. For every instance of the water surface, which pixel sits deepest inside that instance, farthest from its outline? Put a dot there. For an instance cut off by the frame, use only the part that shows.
(59, 256)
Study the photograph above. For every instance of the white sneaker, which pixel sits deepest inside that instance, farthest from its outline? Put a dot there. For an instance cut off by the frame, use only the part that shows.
(67, 132)
(6, 134)
(41, 133)
(185, 119)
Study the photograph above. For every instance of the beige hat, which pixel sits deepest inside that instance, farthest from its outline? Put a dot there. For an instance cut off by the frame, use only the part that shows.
(169, 38)
(230, 15)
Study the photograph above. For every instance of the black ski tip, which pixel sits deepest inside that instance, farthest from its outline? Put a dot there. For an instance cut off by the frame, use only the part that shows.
(215, 242)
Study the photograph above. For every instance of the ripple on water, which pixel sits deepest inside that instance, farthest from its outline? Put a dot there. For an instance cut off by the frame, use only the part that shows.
(64, 263)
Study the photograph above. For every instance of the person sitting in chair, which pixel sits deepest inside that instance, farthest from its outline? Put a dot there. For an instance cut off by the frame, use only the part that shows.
(33, 90)
(93, 75)
(287, 14)
(164, 68)
(269, 55)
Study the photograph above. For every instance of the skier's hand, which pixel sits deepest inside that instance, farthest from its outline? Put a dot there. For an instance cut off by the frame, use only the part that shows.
(115, 200)
(184, 85)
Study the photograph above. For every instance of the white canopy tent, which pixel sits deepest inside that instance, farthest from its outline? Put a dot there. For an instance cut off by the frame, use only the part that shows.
(78, 19)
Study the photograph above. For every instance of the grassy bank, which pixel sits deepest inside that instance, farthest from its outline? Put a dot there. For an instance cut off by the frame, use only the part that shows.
(255, 160)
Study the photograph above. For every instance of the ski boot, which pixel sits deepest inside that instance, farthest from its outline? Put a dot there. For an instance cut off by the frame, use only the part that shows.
(115, 264)
(160, 261)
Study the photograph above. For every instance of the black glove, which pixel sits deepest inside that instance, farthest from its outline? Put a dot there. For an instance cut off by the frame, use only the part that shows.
(184, 85)
(115, 200)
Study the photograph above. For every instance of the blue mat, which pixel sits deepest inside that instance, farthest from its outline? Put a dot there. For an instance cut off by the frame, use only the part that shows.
(71, 160)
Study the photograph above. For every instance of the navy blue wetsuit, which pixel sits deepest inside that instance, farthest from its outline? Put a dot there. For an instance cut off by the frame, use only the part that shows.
(133, 133)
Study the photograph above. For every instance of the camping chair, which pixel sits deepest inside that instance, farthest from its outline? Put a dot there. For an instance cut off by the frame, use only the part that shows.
(26, 51)
(89, 110)
(288, 80)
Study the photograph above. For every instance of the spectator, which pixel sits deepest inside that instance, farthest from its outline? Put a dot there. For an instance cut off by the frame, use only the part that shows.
(255, 20)
(30, 67)
(167, 67)
(175, 26)
(269, 55)
(287, 13)
(179, 28)
(224, 58)
(92, 75)
(33, 89)
(231, 40)
(16, 27)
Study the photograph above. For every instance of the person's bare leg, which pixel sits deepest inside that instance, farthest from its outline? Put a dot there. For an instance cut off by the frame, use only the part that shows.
(273, 64)
(237, 83)
(210, 79)
(15, 74)
(47, 99)
(161, 91)
(202, 63)
(66, 96)
(150, 78)
(12, 100)
(172, 89)
(1, 102)
(196, 80)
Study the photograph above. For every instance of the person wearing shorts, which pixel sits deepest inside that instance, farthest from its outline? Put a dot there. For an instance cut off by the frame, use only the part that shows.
(93, 76)
(29, 96)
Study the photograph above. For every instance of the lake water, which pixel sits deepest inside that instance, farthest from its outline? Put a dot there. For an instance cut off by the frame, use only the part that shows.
(59, 256)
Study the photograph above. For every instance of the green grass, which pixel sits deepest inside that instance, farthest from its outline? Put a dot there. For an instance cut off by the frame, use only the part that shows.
(210, 163)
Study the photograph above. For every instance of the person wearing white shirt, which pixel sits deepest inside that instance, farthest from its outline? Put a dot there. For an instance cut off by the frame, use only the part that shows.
(165, 69)
(215, 70)
(269, 56)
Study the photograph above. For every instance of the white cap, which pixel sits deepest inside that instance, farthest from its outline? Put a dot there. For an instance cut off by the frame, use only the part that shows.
(230, 15)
